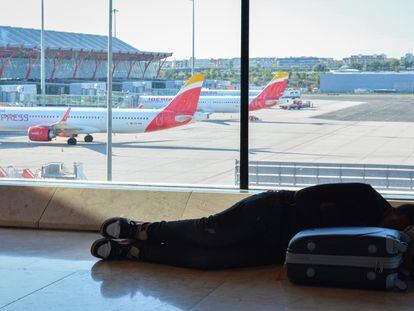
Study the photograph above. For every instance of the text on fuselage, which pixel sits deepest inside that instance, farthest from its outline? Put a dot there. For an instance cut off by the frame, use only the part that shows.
(18, 117)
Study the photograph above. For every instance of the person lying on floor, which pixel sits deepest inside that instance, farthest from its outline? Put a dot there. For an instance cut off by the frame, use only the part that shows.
(255, 231)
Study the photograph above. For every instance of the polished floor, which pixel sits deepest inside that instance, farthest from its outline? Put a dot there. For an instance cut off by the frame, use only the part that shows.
(51, 270)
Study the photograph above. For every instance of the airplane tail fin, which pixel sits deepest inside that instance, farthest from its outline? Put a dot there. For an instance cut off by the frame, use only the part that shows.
(181, 108)
(186, 100)
(271, 93)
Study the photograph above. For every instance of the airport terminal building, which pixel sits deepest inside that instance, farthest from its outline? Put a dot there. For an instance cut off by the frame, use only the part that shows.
(72, 56)
(368, 82)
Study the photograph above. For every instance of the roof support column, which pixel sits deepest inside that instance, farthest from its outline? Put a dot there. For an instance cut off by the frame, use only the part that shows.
(140, 67)
(33, 59)
(145, 68)
(98, 62)
(131, 66)
(116, 63)
(80, 57)
(57, 60)
(160, 64)
(5, 62)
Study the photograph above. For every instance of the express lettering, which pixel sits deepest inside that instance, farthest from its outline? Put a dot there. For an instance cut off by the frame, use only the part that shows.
(17, 117)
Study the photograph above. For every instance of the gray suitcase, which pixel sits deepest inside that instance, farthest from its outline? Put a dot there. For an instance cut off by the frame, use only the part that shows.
(363, 257)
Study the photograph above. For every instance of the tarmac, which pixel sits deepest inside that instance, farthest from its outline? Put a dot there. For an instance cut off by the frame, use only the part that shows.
(338, 129)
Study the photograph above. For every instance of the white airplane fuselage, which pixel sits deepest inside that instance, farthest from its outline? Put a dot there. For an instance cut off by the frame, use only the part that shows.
(228, 104)
(218, 92)
(47, 123)
(206, 104)
(123, 120)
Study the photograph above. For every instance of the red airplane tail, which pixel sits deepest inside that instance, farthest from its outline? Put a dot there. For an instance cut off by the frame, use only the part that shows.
(182, 107)
(271, 93)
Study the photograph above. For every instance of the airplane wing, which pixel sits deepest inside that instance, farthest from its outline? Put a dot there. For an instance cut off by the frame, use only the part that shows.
(201, 116)
(62, 128)
(209, 111)
(70, 129)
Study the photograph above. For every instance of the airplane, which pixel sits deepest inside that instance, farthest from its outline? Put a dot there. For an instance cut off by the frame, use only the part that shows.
(213, 104)
(45, 124)
(220, 92)
(288, 93)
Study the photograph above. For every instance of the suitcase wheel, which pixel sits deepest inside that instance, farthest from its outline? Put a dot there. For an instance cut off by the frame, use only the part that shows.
(310, 272)
(372, 249)
(401, 285)
(311, 246)
(371, 275)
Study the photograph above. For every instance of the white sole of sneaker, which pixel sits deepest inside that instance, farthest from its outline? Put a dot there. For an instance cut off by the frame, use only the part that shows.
(114, 230)
(104, 250)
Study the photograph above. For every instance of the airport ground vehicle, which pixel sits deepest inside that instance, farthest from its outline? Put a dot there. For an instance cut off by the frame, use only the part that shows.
(254, 119)
(296, 104)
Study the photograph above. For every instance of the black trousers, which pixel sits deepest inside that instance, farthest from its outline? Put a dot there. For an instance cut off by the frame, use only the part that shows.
(252, 232)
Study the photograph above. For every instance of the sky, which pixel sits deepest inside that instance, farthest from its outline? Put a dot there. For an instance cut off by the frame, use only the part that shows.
(278, 28)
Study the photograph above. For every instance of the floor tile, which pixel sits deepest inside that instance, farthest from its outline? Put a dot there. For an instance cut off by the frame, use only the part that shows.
(53, 270)
(18, 283)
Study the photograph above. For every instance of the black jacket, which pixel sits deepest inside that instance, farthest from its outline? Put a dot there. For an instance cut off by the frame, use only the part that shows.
(335, 205)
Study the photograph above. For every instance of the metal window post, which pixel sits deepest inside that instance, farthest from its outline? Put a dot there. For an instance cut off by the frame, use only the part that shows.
(42, 51)
(244, 96)
(109, 101)
(115, 11)
(193, 59)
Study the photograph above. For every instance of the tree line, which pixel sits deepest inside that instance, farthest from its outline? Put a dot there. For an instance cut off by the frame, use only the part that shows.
(257, 76)
(387, 65)
(309, 79)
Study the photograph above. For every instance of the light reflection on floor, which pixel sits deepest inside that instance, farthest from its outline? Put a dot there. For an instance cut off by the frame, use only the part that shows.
(52, 270)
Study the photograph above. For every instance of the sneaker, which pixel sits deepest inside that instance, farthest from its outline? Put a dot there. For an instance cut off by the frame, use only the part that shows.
(109, 249)
(124, 228)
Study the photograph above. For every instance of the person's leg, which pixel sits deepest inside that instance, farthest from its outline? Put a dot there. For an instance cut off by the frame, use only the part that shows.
(246, 254)
(258, 216)
(211, 258)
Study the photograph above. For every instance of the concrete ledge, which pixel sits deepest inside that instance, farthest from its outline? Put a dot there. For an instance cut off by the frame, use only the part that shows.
(74, 208)
(86, 208)
(204, 204)
(23, 206)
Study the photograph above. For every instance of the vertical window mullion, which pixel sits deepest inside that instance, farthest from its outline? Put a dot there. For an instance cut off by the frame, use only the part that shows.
(244, 96)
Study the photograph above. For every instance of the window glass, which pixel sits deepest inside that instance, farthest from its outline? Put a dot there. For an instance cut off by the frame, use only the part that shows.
(346, 114)
(184, 143)
(202, 151)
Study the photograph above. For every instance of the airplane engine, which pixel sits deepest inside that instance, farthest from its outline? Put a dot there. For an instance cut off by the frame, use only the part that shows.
(40, 133)
(201, 116)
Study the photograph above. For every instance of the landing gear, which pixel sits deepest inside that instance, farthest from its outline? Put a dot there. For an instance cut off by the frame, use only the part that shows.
(72, 141)
(88, 138)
